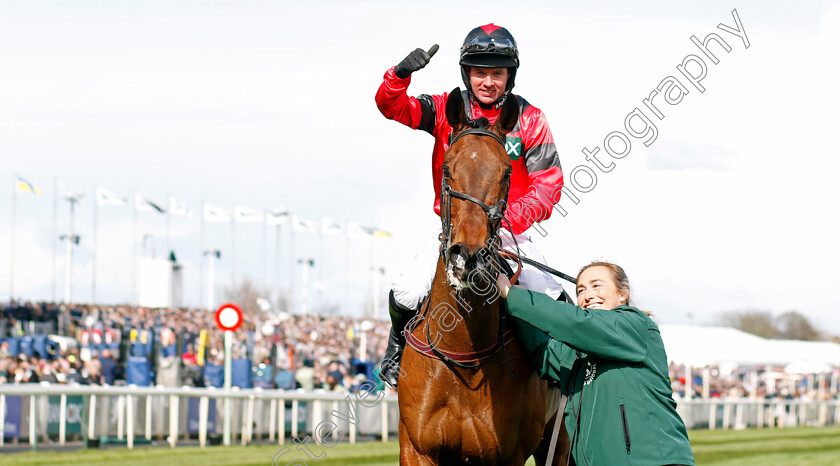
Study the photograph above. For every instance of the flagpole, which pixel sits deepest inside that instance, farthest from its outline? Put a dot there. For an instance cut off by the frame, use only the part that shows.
(292, 266)
(93, 249)
(12, 255)
(134, 254)
(233, 251)
(168, 225)
(54, 236)
(265, 250)
(372, 268)
(346, 270)
(277, 261)
(321, 268)
(201, 259)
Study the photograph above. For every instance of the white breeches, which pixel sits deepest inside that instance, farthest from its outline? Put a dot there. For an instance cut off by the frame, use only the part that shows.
(414, 283)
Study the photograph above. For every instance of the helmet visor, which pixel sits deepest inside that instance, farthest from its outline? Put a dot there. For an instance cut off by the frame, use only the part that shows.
(489, 45)
(489, 60)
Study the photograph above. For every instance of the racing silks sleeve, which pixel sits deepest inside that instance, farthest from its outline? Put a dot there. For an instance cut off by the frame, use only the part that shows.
(395, 104)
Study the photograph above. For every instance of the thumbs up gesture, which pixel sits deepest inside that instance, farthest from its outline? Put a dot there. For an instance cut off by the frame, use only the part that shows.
(414, 61)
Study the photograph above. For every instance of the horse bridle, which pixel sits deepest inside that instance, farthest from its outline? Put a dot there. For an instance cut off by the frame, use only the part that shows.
(495, 214)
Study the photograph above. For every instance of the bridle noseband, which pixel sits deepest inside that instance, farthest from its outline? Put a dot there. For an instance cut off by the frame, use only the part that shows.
(495, 213)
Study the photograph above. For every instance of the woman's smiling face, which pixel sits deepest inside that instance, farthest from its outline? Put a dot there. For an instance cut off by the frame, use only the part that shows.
(596, 289)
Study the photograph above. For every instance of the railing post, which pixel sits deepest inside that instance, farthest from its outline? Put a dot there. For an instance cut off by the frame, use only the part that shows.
(272, 419)
(2, 419)
(336, 431)
(33, 436)
(281, 421)
(173, 419)
(759, 421)
(249, 416)
(129, 420)
(823, 415)
(727, 408)
(353, 424)
(62, 420)
(836, 413)
(384, 420)
(294, 418)
(712, 415)
(120, 417)
(316, 413)
(148, 417)
(92, 417)
(203, 407)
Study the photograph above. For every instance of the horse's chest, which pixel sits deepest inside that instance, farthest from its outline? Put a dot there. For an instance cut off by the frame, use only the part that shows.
(467, 431)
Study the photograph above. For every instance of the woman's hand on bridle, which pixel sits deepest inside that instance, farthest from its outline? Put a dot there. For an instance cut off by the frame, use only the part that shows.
(504, 285)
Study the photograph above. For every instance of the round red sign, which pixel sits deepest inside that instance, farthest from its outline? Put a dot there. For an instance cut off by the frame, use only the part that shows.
(229, 317)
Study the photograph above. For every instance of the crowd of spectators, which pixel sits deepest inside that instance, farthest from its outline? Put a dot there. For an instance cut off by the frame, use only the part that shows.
(92, 344)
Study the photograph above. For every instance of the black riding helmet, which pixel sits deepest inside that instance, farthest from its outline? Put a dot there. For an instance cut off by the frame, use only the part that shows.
(490, 46)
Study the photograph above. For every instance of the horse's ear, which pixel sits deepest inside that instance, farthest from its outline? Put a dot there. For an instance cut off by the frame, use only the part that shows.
(508, 116)
(455, 110)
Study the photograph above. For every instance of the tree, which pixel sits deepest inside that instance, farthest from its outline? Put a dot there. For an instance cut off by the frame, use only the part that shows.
(754, 322)
(793, 325)
(245, 296)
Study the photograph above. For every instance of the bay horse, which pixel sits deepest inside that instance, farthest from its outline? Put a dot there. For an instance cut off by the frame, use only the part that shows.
(467, 394)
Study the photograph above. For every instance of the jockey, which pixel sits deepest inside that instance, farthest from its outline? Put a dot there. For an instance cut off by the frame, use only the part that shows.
(489, 60)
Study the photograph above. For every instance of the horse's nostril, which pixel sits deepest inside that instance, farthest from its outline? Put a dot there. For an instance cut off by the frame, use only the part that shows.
(459, 255)
(482, 257)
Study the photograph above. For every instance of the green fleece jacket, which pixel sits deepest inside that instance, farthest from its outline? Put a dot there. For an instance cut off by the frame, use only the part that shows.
(613, 367)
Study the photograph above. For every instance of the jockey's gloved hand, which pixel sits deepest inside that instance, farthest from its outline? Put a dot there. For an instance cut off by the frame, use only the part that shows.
(414, 61)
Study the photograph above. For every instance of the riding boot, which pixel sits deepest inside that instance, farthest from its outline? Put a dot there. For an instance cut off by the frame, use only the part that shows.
(389, 369)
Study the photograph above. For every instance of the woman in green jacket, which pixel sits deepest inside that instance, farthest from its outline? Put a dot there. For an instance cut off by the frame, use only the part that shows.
(610, 361)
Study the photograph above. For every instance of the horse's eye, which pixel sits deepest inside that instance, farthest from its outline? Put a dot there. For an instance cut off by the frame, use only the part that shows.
(445, 171)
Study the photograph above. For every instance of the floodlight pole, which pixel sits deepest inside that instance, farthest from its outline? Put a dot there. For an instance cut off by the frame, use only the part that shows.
(377, 273)
(212, 254)
(307, 263)
(228, 370)
(72, 239)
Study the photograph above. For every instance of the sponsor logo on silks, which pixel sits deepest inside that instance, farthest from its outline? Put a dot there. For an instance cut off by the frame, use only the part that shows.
(513, 147)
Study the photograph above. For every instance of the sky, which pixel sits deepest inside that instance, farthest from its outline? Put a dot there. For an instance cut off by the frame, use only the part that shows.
(270, 104)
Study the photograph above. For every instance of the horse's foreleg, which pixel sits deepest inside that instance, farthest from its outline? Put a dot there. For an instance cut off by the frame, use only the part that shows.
(409, 456)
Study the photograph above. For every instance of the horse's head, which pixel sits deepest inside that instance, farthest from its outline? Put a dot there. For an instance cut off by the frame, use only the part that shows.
(475, 183)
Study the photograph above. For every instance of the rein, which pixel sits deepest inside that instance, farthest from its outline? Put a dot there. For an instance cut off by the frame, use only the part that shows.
(495, 216)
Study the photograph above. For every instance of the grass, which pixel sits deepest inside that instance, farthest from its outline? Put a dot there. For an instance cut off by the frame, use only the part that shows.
(793, 446)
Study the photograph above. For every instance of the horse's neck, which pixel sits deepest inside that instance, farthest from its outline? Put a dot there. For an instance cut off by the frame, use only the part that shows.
(465, 321)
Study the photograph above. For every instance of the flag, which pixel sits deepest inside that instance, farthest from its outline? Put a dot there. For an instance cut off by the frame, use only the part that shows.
(178, 207)
(330, 226)
(214, 213)
(105, 197)
(144, 205)
(303, 225)
(354, 230)
(24, 186)
(242, 214)
(380, 233)
(277, 216)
